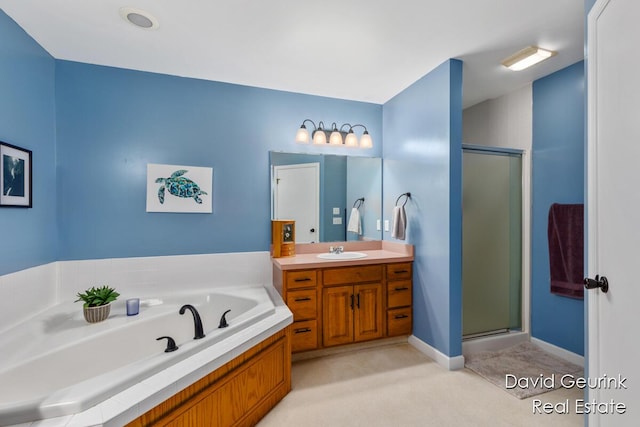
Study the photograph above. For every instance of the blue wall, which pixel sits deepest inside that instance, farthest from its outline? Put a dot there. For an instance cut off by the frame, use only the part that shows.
(423, 155)
(112, 122)
(27, 119)
(558, 177)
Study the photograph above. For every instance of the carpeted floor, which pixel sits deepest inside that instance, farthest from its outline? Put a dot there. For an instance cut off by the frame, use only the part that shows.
(523, 370)
(397, 385)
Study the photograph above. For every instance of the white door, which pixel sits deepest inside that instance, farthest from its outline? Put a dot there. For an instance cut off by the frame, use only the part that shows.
(297, 197)
(614, 209)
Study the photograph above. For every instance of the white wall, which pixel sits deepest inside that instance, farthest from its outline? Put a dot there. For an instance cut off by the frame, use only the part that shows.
(501, 122)
(507, 122)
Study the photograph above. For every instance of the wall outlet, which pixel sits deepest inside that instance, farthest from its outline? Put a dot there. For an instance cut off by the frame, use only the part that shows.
(386, 225)
(378, 225)
(337, 221)
(336, 211)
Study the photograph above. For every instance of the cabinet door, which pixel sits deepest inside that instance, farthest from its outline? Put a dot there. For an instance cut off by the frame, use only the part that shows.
(337, 319)
(368, 312)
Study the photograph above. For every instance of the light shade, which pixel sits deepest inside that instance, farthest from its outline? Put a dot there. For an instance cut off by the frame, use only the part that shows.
(351, 140)
(335, 138)
(527, 57)
(302, 136)
(319, 137)
(366, 141)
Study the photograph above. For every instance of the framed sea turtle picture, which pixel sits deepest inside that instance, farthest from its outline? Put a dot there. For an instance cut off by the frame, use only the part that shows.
(176, 188)
(15, 176)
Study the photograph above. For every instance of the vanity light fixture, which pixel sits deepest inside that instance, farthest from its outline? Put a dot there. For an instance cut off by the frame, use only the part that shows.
(140, 18)
(527, 57)
(342, 136)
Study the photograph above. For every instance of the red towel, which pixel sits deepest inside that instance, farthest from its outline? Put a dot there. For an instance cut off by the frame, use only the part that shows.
(566, 249)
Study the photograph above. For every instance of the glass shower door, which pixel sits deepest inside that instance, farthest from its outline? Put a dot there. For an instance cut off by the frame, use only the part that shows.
(492, 242)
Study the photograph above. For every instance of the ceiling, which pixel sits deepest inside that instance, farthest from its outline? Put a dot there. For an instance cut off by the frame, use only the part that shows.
(364, 50)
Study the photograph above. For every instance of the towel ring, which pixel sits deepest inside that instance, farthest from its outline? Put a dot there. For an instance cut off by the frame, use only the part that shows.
(407, 195)
(359, 202)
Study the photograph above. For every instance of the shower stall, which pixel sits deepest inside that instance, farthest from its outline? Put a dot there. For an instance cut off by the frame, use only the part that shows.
(492, 241)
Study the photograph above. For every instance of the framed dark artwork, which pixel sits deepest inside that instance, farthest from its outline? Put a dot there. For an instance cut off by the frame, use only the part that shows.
(15, 176)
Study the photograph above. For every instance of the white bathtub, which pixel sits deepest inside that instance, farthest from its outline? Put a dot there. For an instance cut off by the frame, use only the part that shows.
(57, 364)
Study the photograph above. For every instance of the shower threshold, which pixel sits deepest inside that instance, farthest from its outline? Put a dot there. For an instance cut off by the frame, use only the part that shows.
(487, 334)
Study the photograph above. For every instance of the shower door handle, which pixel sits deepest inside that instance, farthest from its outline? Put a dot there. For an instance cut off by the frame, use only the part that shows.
(599, 282)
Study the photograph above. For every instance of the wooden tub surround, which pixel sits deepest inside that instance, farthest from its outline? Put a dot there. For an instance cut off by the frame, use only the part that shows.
(347, 301)
(238, 393)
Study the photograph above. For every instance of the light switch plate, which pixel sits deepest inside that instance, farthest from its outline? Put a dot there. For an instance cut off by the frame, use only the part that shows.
(337, 221)
(378, 225)
(386, 225)
(336, 211)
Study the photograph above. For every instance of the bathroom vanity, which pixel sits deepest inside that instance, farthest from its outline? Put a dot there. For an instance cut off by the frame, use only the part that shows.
(342, 301)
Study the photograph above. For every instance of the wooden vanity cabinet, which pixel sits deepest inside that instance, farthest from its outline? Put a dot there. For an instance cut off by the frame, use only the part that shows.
(300, 292)
(399, 299)
(352, 305)
(342, 305)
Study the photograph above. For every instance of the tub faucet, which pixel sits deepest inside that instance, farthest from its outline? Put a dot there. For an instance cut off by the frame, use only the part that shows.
(196, 320)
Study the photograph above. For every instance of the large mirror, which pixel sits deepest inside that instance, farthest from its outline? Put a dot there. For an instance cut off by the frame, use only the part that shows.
(331, 198)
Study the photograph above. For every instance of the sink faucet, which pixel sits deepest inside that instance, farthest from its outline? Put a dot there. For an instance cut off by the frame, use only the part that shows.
(196, 320)
(336, 249)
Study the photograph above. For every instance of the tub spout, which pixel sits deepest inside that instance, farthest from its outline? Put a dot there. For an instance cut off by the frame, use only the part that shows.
(199, 333)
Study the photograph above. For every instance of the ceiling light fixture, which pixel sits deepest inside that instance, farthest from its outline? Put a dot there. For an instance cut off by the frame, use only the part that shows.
(140, 18)
(334, 136)
(527, 57)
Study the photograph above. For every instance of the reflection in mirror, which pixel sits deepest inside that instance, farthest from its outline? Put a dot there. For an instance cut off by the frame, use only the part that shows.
(321, 193)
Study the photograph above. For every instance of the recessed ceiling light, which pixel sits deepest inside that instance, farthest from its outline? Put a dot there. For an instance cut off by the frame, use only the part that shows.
(527, 57)
(140, 18)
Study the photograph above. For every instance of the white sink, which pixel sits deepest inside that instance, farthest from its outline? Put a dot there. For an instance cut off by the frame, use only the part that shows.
(342, 256)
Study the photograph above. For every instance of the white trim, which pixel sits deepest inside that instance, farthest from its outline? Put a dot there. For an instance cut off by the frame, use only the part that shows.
(567, 355)
(593, 321)
(450, 363)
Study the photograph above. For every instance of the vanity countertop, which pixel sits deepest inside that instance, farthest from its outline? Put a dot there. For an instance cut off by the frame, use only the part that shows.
(378, 252)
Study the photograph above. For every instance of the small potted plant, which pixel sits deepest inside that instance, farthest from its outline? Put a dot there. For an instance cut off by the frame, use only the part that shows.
(97, 303)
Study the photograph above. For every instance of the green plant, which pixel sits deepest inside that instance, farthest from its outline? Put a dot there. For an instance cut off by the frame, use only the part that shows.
(96, 297)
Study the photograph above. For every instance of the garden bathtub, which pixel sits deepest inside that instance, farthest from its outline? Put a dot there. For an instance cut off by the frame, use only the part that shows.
(56, 364)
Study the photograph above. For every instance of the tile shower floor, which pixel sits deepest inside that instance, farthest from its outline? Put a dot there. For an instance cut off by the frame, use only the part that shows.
(396, 385)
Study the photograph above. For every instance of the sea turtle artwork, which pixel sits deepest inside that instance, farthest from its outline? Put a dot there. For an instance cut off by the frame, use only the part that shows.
(179, 186)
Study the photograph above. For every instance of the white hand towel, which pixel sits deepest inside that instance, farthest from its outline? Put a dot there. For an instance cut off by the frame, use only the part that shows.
(354, 222)
(399, 223)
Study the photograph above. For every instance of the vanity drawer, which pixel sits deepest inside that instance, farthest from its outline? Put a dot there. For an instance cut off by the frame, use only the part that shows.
(398, 293)
(303, 304)
(399, 321)
(399, 271)
(301, 279)
(344, 275)
(304, 335)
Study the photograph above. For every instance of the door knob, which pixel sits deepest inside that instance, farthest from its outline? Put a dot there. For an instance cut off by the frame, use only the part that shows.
(599, 282)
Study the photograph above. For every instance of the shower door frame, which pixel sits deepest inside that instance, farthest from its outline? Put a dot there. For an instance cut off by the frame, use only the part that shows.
(525, 155)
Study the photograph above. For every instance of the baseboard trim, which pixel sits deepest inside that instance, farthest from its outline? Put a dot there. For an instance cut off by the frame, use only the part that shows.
(567, 355)
(450, 363)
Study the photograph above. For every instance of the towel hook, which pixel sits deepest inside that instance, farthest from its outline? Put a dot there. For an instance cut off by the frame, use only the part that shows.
(407, 195)
(356, 204)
